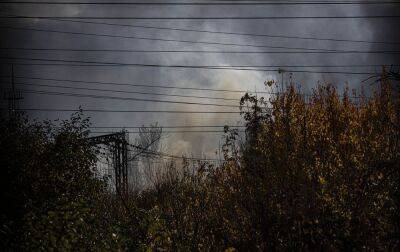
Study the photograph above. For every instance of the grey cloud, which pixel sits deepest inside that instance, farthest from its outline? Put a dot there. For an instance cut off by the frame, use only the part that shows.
(252, 81)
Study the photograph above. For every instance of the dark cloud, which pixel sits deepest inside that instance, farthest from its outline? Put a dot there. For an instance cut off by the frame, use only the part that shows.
(358, 29)
(385, 30)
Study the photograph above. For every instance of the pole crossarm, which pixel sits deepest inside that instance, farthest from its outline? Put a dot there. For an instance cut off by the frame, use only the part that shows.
(107, 139)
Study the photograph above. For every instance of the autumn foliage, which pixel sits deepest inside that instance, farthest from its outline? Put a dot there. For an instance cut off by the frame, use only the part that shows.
(316, 172)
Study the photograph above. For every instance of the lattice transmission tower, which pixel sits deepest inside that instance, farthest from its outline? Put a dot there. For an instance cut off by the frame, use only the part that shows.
(118, 144)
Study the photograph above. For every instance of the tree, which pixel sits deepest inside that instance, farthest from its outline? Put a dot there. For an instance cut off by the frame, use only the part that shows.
(49, 190)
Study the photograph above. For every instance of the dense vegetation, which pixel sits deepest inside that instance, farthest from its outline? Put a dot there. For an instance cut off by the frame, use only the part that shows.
(311, 173)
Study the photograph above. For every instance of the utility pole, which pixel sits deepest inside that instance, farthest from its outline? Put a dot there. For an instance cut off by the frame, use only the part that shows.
(13, 96)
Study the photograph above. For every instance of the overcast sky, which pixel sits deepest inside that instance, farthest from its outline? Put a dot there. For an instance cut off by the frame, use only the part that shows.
(198, 144)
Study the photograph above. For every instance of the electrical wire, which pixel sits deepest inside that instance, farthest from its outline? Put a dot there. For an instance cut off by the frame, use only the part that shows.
(42, 92)
(201, 66)
(210, 17)
(225, 32)
(222, 32)
(167, 132)
(135, 85)
(172, 40)
(200, 51)
(128, 92)
(99, 63)
(128, 111)
(166, 127)
(158, 153)
(250, 3)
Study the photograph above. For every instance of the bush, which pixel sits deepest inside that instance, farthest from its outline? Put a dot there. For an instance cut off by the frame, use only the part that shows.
(315, 173)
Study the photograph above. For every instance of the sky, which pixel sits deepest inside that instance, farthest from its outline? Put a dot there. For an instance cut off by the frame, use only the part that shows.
(199, 144)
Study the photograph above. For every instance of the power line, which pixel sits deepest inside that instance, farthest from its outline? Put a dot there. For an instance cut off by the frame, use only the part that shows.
(123, 98)
(167, 127)
(99, 63)
(235, 33)
(227, 69)
(146, 93)
(168, 132)
(159, 153)
(222, 32)
(145, 150)
(127, 92)
(171, 40)
(152, 86)
(134, 85)
(251, 3)
(129, 111)
(200, 51)
(202, 66)
(190, 67)
(210, 17)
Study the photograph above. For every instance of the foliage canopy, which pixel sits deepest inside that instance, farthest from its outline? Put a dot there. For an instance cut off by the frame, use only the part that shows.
(310, 173)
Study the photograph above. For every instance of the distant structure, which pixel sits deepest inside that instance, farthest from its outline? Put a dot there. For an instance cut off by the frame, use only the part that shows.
(118, 144)
(13, 96)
